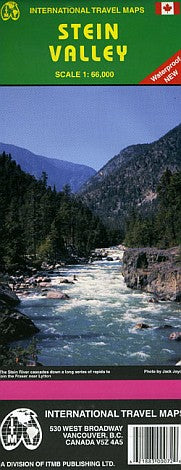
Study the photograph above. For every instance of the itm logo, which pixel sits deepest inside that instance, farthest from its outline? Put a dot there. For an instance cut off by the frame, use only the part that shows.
(21, 425)
(10, 10)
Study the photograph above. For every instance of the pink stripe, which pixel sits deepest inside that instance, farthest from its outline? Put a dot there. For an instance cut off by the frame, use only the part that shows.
(90, 390)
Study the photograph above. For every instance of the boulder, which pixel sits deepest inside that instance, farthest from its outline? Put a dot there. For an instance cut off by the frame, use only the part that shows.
(66, 281)
(153, 300)
(109, 258)
(164, 327)
(43, 284)
(15, 325)
(57, 295)
(175, 336)
(141, 326)
(8, 296)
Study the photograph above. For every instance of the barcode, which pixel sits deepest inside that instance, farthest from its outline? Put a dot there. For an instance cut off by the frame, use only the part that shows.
(154, 444)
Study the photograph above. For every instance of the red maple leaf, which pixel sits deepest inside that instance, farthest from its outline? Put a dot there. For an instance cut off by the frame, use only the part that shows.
(167, 8)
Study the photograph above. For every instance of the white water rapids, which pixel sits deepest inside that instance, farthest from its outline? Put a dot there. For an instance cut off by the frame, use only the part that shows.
(96, 325)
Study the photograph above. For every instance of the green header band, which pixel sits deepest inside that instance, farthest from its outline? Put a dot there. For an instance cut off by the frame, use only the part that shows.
(84, 42)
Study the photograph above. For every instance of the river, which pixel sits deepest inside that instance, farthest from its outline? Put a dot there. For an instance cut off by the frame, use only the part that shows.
(96, 325)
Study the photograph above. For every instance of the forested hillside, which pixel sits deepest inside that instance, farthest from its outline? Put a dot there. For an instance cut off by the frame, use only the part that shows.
(38, 223)
(129, 181)
(162, 228)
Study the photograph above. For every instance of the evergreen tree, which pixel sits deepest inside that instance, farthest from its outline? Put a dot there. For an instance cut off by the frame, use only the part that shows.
(38, 224)
(162, 229)
(15, 244)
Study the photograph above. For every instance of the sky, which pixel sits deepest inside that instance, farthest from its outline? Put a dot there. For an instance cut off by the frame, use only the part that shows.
(86, 124)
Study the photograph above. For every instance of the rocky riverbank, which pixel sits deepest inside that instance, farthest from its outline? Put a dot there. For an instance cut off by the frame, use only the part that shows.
(155, 271)
(39, 281)
(14, 325)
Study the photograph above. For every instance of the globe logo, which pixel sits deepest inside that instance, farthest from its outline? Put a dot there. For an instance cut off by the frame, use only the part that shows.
(10, 10)
(21, 425)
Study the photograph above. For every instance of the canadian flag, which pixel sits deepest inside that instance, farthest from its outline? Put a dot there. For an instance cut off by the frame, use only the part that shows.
(167, 8)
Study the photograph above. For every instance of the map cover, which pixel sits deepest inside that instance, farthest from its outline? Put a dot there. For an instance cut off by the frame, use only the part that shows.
(90, 275)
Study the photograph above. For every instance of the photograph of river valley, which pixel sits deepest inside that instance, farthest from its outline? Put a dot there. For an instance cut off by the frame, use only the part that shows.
(90, 226)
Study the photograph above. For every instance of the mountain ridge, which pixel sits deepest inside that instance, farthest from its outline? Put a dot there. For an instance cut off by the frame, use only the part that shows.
(60, 172)
(115, 191)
